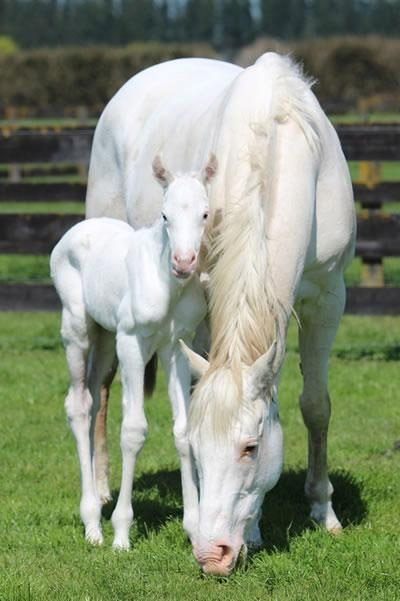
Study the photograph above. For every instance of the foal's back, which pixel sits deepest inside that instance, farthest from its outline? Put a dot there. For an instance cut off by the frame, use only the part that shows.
(88, 265)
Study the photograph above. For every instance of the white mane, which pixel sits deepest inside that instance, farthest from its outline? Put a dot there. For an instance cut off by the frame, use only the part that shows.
(246, 312)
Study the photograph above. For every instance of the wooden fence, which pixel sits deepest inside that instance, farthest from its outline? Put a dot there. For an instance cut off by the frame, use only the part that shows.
(378, 233)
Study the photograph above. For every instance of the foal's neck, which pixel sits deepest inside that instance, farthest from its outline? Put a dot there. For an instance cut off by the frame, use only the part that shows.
(162, 257)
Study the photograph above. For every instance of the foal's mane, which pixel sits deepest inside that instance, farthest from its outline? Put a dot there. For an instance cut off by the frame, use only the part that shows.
(246, 313)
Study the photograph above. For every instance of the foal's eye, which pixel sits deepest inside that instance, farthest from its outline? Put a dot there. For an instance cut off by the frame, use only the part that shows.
(164, 217)
(205, 216)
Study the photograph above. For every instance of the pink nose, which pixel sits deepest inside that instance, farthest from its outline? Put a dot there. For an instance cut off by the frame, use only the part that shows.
(183, 264)
(218, 560)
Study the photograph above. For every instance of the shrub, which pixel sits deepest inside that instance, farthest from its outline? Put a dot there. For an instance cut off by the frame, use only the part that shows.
(7, 45)
(347, 68)
(48, 81)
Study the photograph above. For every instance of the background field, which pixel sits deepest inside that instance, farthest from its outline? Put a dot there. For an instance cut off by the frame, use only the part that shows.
(43, 555)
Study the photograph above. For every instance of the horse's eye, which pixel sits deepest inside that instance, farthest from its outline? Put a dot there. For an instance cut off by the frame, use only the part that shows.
(205, 216)
(164, 217)
(249, 450)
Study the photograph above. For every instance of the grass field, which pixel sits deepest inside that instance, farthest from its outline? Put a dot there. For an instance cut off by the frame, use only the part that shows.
(43, 555)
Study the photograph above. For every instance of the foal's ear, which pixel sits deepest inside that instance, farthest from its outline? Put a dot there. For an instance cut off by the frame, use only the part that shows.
(198, 365)
(210, 169)
(162, 175)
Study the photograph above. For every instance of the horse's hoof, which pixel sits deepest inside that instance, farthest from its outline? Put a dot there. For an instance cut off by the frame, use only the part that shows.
(335, 530)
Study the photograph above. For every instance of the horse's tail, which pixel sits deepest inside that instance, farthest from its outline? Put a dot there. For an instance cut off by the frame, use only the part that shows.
(150, 374)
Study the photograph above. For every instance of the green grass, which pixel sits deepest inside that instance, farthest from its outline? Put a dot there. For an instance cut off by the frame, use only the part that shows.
(43, 555)
(34, 269)
(18, 269)
(391, 270)
(43, 123)
(43, 207)
(358, 118)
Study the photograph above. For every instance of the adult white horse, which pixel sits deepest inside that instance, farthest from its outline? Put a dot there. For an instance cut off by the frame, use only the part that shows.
(138, 292)
(280, 233)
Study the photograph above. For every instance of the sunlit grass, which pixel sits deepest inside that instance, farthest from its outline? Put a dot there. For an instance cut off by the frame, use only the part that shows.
(43, 555)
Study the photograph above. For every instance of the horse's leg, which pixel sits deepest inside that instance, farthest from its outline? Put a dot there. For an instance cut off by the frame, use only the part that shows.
(178, 377)
(78, 406)
(318, 324)
(102, 368)
(133, 431)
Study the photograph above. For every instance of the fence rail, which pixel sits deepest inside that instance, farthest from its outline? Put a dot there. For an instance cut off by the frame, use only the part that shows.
(359, 142)
(378, 233)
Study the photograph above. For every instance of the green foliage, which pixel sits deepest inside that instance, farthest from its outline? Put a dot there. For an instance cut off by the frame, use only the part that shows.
(43, 555)
(7, 45)
(228, 23)
(345, 68)
(50, 81)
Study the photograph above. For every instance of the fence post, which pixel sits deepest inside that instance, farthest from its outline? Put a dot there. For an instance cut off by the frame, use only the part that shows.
(372, 274)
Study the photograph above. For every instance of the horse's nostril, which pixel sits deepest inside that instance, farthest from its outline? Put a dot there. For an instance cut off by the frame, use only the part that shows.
(226, 551)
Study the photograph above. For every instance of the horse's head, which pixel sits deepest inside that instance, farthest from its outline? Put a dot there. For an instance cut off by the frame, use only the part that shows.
(184, 211)
(236, 440)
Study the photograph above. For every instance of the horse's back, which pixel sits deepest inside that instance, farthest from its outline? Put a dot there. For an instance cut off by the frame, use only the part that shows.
(170, 109)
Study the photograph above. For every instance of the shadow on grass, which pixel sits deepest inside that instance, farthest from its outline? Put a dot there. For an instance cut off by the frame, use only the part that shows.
(157, 498)
(375, 352)
(286, 510)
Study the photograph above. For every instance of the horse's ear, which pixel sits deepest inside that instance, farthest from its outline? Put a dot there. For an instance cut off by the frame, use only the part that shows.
(162, 175)
(198, 365)
(210, 169)
(261, 374)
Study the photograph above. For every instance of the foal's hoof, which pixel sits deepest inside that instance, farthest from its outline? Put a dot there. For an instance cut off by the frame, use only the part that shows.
(94, 535)
(121, 543)
(105, 499)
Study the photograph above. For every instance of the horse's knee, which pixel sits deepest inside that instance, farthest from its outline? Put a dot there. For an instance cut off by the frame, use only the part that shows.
(78, 405)
(181, 439)
(315, 407)
(133, 436)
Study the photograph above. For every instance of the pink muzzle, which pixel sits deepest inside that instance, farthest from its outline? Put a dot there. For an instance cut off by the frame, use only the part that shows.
(183, 265)
(218, 559)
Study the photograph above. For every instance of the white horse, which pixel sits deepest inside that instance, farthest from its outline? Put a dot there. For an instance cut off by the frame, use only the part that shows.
(137, 289)
(280, 233)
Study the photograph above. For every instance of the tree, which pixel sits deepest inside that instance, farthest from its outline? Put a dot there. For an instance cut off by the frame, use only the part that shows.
(238, 27)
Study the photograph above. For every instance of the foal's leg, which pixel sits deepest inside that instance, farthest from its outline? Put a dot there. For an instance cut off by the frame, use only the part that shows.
(178, 377)
(78, 405)
(102, 368)
(133, 431)
(318, 324)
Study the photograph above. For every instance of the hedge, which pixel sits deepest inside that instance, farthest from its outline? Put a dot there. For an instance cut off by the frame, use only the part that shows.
(348, 69)
(351, 72)
(48, 82)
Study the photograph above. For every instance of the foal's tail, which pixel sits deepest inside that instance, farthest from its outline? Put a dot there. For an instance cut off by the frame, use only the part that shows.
(150, 374)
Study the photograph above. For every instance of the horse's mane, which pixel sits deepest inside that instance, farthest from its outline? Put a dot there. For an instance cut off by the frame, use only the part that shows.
(246, 313)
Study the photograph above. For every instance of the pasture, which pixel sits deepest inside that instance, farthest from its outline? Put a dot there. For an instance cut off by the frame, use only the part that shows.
(43, 554)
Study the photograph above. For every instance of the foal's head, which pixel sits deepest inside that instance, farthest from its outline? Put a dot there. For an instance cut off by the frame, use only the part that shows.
(185, 212)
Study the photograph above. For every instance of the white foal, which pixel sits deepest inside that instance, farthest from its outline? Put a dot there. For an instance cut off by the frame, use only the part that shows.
(138, 290)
